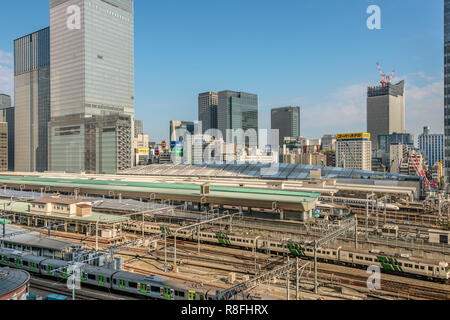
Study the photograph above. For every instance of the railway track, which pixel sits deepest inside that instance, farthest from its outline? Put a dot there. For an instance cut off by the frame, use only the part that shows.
(395, 288)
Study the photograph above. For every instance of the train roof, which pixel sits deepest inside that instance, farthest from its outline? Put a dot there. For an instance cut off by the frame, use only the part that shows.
(138, 277)
(405, 256)
(98, 270)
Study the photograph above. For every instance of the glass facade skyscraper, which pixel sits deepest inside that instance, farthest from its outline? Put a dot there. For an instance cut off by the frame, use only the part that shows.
(207, 110)
(32, 101)
(92, 77)
(237, 110)
(287, 121)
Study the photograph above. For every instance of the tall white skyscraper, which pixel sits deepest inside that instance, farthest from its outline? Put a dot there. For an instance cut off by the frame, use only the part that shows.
(92, 79)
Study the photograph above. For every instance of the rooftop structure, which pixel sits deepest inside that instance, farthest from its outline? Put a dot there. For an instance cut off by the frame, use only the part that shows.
(34, 242)
(14, 284)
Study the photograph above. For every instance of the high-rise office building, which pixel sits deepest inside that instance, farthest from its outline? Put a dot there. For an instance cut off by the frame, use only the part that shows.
(32, 101)
(5, 101)
(354, 150)
(7, 115)
(92, 72)
(447, 84)
(385, 110)
(138, 128)
(207, 110)
(237, 110)
(287, 121)
(329, 142)
(106, 146)
(431, 146)
(3, 146)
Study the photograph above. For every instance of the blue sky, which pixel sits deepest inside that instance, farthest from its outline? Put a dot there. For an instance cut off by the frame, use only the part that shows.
(315, 54)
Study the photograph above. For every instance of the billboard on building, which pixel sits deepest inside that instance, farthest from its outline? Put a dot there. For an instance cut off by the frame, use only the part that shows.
(354, 136)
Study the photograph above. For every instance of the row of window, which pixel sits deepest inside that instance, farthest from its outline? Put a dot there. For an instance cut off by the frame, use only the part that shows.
(406, 265)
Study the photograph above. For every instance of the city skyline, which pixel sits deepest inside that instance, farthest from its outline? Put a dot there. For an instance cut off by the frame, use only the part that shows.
(298, 72)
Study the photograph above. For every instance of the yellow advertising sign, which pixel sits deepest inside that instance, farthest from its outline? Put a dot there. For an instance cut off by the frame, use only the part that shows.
(354, 136)
(143, 151)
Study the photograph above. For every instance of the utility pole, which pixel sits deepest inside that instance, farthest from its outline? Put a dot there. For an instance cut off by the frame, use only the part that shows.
(96, 235)
(297, 293)
(356, 231)
(316, 289)
(377, 214)
(165, 252)
(367, 217)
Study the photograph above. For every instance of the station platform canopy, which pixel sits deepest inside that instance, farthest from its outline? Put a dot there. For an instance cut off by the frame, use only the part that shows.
(284, 172)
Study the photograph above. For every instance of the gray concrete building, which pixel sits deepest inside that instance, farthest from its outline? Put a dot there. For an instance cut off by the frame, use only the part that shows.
(287, 121)
(207, 110)
(385, 110)
(138, 128)
(237, 110)
(92, 71)
(3, 146)
(7, 115)
(32, 101)
(104, 149)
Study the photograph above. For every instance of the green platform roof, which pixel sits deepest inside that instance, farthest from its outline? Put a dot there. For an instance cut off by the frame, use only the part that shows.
(174, 189)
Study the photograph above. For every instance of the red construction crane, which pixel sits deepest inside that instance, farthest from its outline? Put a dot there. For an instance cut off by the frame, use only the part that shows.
(419, 170)
(384, 78)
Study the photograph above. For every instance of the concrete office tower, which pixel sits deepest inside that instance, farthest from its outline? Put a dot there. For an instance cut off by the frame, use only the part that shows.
(92, 72)
(385, 110)
(329, 142)
(354, 150)
(287, 121)
(3, 146)
(32, 101)
(237, 110)
(106, 147)
(431, 146)
(207, 110)
(138, 128)
(447, 84)
(7, 115)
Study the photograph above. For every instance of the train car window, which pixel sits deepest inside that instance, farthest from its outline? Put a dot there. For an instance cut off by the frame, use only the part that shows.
(179, 294)
(132, 285)
(25, 263)
(350, 255)
(430, 268)
(91, 276)
(154, 289)
(416, 266)
(422, 268)
(114, 281)
(334, 253)
(11, 260)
